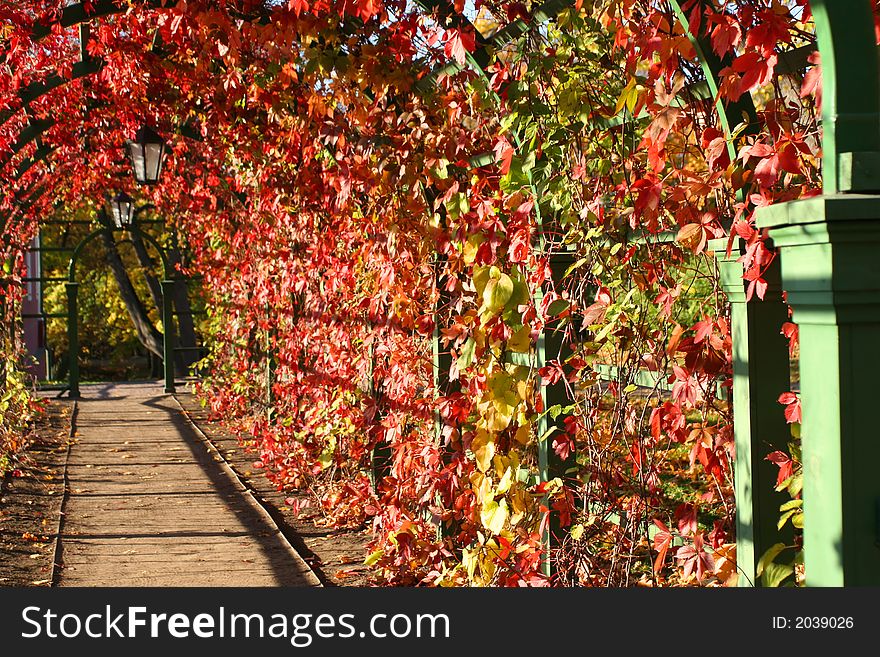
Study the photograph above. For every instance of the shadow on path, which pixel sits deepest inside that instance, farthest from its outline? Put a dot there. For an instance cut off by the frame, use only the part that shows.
(151, 504)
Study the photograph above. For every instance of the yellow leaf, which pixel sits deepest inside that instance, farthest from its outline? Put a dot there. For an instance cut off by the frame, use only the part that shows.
(493, 515)
(624, 99)
(483, 447)
(520, 341)
(469, 252)
(481, 277)
(497, 292)
(519, 502)
(505, 482)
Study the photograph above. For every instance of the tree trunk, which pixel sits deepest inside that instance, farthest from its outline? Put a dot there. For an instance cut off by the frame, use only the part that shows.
(148, 335)
(146, 263)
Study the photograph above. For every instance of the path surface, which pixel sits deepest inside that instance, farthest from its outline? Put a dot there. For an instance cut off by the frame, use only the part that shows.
(151, 504)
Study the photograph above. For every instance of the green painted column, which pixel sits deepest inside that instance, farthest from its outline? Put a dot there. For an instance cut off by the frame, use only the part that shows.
(850, 95)
(761, 372)
(73, 338)
(831, 272)
(168, 333)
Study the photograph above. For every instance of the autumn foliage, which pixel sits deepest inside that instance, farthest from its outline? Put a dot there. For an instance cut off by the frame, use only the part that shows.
(363, 183)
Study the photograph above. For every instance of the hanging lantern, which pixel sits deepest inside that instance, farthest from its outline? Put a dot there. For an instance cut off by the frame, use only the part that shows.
(147, 152)
(122, 210)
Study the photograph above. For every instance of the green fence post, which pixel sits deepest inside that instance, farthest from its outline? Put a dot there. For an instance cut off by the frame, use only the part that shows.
(168, 333)
(761, 372)
(73, 338)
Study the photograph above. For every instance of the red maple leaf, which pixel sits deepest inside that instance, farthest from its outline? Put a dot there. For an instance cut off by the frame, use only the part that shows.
(791, 332)
(298, 6)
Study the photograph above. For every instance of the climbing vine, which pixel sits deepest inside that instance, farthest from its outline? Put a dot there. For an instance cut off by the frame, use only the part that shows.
(460, 274)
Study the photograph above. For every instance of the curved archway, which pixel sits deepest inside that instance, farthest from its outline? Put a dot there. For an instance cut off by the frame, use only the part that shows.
(72, 289)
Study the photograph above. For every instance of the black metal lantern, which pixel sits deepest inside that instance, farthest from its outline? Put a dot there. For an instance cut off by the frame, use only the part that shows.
(146, 151)
(122, 209)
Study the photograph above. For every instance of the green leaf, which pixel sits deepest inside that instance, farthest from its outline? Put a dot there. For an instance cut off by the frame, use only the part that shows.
(796, 485)
(440, 171)
(467, 354)
(557, 307)
(373, 558)
(784, 518)
(775, 574)
(457, 205)
(769, 556)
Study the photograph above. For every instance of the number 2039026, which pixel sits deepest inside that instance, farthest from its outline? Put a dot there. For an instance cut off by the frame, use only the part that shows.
(813, 623)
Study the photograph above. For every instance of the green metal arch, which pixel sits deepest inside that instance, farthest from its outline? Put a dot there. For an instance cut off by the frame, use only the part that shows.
(39, 88)
(71, 267)
(80, 13)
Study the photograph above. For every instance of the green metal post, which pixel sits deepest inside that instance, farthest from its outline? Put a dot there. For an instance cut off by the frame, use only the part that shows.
(552, 345)
(271, 366)
(73, 338)
(761, 372)
(168, 333)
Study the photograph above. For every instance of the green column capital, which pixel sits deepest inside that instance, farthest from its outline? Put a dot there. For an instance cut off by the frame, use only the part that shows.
(830, 261)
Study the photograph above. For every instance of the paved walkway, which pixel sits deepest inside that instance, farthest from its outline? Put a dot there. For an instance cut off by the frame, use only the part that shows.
(151, 504)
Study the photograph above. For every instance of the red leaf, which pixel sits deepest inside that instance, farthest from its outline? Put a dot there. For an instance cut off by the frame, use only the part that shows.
(298, 6)
(662, 543)
(503, 154)
(790, 331)
(458, 44)
(792, 407)
(694, 558)
(785, 463)
(686, 519)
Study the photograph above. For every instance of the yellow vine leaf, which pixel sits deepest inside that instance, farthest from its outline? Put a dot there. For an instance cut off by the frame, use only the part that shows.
(483, 448)
(493, 515)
